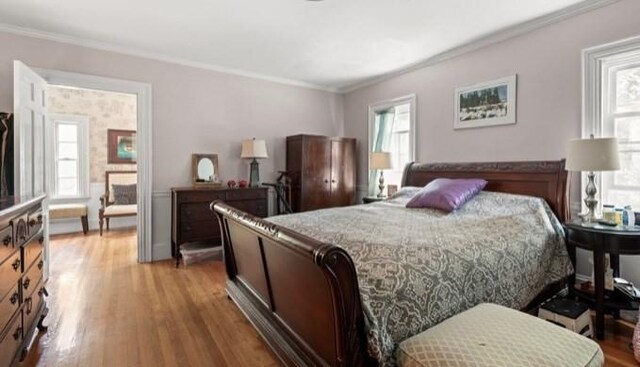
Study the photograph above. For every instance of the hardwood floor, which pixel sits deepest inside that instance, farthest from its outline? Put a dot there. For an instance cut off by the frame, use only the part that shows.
(107, 310)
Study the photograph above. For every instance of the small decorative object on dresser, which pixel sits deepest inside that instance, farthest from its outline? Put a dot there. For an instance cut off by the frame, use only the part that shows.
(322, 171)
(391, 190)
(204, 170)
(22, 262)
(121, 146)
(380, 161)
(486, 104)
(231, 184)
(242, 184)
(254, 149)
(591, 155)
(193, 221)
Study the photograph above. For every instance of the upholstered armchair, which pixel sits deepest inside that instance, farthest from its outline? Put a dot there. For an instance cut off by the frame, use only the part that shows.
(120, 198)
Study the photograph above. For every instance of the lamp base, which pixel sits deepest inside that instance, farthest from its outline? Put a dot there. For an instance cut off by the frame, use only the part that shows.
(254, 174)
(590, 201)
(381, 185)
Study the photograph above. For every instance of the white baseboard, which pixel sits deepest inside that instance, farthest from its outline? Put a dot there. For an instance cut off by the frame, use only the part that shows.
(72, 225)
(161, 251)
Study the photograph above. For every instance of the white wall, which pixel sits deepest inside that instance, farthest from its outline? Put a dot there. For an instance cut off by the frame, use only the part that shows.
(194, 111)
(548, 64)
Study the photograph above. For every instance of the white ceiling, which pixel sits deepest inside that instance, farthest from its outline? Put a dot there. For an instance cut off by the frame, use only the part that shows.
(332, 43)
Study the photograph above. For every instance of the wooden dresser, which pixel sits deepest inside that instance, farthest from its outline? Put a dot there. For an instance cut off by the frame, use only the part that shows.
(193, 221)
(322, 171)
(22, 305)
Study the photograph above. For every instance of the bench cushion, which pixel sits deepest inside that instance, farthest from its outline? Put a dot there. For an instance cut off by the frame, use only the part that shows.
(59, 211)
(492, 335)
(121, 210)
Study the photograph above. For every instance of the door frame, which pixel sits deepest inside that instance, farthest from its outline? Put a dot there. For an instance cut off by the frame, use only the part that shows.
(144, 163)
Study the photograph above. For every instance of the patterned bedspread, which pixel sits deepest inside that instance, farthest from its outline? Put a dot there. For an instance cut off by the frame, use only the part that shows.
(417, 267)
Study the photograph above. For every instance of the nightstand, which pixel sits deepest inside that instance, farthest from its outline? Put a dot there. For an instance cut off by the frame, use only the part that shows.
(372, 199)
(601, 240)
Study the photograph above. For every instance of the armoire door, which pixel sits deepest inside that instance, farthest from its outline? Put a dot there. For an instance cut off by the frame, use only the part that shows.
(343, 172)
(316, 190)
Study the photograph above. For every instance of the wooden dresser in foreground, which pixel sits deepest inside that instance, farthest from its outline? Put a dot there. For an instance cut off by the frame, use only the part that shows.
(193, 221)
(22, 305)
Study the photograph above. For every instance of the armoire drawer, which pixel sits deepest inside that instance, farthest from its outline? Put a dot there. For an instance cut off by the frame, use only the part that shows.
(200, 230)
(6, 242)
(32, 250)
(32, 277)
(10, 271)
(9, 305)
(11, 340)
(34, 221)
(32, 304)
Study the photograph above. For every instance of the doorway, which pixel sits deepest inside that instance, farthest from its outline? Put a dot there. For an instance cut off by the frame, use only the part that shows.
(143, 165)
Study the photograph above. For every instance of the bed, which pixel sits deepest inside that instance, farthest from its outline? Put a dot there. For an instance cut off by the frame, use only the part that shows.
(311, 287)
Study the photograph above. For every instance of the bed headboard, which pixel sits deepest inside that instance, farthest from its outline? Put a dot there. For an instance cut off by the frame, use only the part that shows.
(545, 179)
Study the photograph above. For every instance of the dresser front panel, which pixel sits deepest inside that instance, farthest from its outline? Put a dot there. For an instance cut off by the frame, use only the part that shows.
(32, 277)
(33, 249)
(10, 272)
(6, 242)
(32, 304)
(11, 340)
(192, 212)
(9, 305)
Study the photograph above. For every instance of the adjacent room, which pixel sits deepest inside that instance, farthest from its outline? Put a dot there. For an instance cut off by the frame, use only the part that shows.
(320, 183)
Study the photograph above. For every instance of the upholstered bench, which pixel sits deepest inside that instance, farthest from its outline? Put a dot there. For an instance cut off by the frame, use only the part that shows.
(61, 211)
(493, 336)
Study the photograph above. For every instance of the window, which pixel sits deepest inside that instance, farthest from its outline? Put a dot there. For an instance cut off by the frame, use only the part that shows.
(615, 107)
(69, 158)
(392, 129)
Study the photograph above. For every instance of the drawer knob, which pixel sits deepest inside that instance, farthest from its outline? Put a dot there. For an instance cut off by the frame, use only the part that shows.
(17, 334)
(26, 283)
(40, 264)
(16, 264)
(37, 221)
(41, 240)
(29, 302)
(7, 240)
(14, 298)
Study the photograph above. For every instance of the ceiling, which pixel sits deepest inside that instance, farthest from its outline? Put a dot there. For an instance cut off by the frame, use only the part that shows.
(333, 44)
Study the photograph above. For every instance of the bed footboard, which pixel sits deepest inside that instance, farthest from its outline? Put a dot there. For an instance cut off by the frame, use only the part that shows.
(300, 294)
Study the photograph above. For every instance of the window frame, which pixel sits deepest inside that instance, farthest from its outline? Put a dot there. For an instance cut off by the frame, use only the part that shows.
(82, 122)
(384, 105)
(599, 64)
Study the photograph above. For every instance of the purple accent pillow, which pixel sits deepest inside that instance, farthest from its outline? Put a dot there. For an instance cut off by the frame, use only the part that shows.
(446, 194)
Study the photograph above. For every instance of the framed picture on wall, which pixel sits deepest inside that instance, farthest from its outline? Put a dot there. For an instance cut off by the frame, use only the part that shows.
(121, 146)
(486, 104)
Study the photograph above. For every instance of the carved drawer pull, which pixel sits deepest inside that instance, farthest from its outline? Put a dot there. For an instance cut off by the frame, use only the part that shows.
(42, 291)
(41, 240)
(17, 334)
(33, 222)
(14, 298)
(22, 237)
(16, 264)
(40, 264)
(29, 302)
(26, 283)
(7, 240)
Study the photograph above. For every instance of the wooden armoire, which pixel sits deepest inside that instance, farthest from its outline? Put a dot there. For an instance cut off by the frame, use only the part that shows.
(322, 171)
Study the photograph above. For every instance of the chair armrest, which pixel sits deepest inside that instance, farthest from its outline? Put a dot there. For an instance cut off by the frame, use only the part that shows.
(103, 201)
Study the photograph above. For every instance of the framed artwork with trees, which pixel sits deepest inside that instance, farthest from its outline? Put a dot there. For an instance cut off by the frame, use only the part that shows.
(486, 104)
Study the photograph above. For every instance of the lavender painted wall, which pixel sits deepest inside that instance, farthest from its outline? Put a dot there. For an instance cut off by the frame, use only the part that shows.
(194, 111)
(548, 64)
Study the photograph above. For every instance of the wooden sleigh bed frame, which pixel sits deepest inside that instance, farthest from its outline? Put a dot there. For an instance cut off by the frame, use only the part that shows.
(302, 295)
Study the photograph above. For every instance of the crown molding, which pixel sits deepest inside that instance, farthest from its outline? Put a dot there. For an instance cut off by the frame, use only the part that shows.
(489, 39)
(103, 46)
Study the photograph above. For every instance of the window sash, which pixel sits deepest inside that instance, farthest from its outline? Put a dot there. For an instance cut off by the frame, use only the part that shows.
(59, 182)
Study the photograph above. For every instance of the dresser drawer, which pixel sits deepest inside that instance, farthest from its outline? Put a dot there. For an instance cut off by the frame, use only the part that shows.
(200, 230)
(9, 305)
(10, 271)
(6, 242)
(246, 194)
(32, 277)
(255, 207)
(32, 304)
(34, 221)
(201, 196)
(11, 340)
(32, 250)
(196, 212)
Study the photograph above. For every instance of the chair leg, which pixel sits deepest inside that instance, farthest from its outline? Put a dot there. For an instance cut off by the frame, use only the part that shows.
(85, 224)
(107, 223)
(101, 221)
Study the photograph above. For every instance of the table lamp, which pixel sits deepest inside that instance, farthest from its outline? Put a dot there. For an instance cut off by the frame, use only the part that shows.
(592, 155)
(381, 161)
(254, 149)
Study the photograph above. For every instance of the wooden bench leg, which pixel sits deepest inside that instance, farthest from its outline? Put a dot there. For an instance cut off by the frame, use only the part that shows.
(101, 221)
(85, 224)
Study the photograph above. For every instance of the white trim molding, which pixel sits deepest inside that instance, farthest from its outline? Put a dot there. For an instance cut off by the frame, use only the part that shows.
(143, 92)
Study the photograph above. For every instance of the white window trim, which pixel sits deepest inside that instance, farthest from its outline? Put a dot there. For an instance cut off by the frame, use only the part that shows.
(83, 157)
(593, 102)
(383, 105)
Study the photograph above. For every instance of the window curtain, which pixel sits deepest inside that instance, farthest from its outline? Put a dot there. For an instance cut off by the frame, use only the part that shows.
(383, 125)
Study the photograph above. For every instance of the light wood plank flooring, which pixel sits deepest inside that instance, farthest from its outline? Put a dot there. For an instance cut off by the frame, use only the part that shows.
(107, 310)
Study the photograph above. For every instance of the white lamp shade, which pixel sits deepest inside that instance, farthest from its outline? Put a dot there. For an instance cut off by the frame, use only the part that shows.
(380, 160)
(252, 148)
(594, 154)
